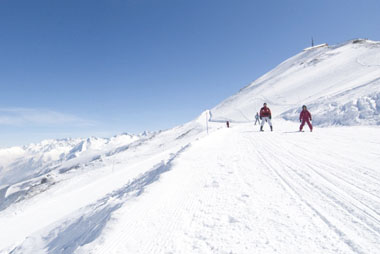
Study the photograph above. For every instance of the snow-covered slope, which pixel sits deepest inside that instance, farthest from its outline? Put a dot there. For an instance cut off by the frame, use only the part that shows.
(203, 188)
(340, 84)
(25, 170)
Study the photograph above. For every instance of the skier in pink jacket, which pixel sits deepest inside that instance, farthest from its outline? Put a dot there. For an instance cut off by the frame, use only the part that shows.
(305, 117)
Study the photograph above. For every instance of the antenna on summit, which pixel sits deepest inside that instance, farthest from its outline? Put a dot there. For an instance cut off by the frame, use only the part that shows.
(312, 41)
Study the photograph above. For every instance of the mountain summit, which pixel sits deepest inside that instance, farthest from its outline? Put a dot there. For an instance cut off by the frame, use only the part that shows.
(340, 84)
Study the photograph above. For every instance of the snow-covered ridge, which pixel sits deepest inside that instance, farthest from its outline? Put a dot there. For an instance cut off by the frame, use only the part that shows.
(20, 163)
(30, 170)
(316, 46)
(339, 84)
(72, 176)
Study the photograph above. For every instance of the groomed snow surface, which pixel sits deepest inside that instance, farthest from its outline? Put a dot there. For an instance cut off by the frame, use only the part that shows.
(204, 188)
(233, 191)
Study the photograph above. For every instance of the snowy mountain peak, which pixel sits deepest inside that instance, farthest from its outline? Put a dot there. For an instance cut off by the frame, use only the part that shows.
(340, 84)
(20, 163)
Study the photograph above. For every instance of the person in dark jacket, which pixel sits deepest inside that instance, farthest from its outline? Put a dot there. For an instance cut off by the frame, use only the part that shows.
(257, 118)
(305, 117)
(265, 116)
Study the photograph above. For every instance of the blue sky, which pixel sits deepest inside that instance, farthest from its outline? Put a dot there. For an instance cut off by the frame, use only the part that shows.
(77, 68)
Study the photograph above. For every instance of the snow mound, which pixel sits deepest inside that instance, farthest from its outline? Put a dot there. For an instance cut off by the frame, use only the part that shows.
(359, 106)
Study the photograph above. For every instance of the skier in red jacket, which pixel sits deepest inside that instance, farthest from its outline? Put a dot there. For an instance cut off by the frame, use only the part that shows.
(305, 117)
(265, 116)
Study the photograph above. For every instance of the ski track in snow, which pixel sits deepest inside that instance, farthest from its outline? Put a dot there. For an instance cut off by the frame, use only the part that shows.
(241, 191)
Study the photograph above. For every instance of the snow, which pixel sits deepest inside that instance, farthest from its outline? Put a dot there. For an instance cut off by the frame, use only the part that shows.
(316, 46)
(241, 198)
(204, 188)
(51, 154)
(331, 78)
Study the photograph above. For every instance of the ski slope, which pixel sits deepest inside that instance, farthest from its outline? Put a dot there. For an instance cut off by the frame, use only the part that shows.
(203, 188)
(234, 191)
(340, 84)
(240, 191)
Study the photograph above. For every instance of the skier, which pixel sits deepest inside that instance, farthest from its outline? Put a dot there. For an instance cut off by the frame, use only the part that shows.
(265, 116)
(305, 117)
(257, 118)
(228, 124)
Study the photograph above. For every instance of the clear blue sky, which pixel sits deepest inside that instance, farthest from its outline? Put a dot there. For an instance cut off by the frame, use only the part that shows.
(77, 68)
